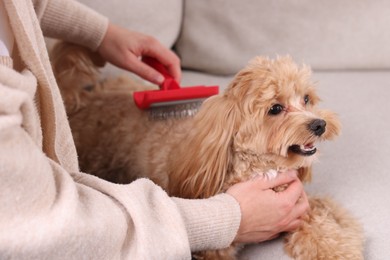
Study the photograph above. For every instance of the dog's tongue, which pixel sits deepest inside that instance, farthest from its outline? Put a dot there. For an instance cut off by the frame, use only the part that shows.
(307, 147)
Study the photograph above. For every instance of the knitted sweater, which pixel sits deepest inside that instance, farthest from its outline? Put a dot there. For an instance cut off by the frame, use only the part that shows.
(48, 209)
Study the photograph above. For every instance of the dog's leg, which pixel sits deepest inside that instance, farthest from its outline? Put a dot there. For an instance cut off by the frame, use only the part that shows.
(328, 232)
(222, 254)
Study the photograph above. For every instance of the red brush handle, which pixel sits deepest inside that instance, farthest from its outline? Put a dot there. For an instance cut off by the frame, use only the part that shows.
(169, 81)
(170, 90)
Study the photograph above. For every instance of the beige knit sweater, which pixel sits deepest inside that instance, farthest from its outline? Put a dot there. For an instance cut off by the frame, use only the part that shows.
(48, 209)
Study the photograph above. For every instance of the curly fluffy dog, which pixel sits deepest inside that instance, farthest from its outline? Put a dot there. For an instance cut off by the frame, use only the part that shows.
(265, 121)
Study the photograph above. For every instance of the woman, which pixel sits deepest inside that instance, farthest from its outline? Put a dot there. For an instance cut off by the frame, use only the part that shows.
(48, 209)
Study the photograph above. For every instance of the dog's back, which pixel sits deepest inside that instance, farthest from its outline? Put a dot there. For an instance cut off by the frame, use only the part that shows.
(115, 140)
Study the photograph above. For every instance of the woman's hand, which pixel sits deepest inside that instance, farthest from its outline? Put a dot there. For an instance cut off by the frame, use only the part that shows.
(266, 213)
(124, 48)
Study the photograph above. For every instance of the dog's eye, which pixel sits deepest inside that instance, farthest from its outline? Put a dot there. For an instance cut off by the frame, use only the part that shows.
(275, 109)
(306, 99)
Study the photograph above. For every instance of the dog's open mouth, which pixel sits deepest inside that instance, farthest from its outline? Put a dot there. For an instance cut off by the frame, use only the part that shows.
(305, 150)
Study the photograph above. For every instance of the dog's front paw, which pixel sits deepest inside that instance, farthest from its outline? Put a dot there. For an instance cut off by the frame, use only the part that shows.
(328, 232)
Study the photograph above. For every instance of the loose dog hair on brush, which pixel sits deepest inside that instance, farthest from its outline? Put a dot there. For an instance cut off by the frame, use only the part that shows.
(267, 120)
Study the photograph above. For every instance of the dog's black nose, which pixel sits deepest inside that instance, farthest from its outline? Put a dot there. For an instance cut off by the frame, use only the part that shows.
(317, 126)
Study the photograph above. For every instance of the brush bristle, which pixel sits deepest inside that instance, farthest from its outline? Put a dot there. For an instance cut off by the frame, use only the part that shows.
(175, 111)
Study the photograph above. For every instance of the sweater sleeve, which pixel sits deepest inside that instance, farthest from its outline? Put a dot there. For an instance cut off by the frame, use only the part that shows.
(71, 21)
(211, 225)
(48, 213)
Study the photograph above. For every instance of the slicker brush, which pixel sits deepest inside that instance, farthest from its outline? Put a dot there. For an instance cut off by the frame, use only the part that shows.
(171, 100)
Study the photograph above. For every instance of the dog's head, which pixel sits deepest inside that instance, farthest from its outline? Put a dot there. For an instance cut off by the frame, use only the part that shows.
(280, 122)
(266, 119)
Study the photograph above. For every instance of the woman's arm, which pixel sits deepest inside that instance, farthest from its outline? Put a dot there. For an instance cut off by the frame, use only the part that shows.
(71, 21)
(47, 212)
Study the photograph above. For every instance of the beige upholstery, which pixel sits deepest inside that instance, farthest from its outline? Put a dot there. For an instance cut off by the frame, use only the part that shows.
(220, 36)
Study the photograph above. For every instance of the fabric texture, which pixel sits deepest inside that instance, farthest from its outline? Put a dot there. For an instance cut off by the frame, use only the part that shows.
(220, 36)
(49, 210)
(74, 22)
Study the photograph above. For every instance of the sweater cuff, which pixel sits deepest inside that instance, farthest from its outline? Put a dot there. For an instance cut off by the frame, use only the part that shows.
(211, 223)
(71, 21)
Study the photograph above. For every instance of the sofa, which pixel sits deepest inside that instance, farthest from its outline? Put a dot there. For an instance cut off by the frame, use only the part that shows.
(346, 43)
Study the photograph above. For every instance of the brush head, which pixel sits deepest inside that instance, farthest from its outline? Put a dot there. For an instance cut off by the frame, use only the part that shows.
(175, 110)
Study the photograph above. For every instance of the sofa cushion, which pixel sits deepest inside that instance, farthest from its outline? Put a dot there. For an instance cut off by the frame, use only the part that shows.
(161, 20)
(220, 36)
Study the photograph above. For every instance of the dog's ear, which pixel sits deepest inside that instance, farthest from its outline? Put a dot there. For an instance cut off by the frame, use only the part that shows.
(67, 56)
(304, 174)
(200, 170)
(76, 70)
